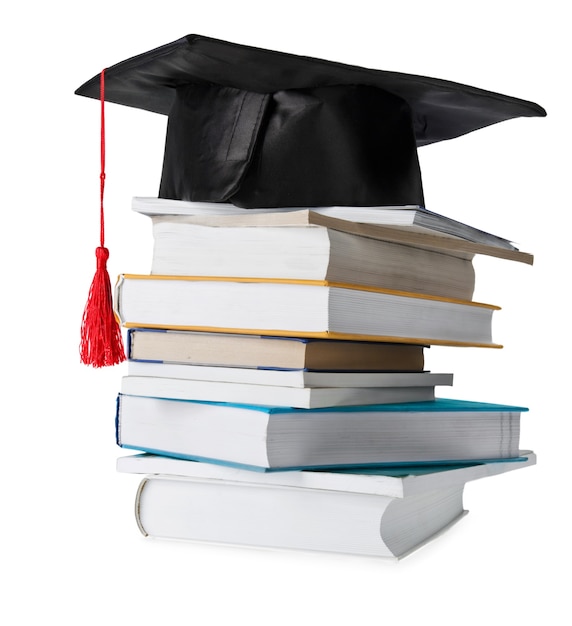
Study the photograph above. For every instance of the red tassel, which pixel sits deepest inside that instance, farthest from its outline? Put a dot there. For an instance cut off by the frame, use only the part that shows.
(101, 340)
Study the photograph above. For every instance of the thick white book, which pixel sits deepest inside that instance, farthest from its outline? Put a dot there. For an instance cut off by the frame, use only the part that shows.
(415, 253)
(386, 516)
(287, 378)
(269, 438)
(300, 309)
(307, 252)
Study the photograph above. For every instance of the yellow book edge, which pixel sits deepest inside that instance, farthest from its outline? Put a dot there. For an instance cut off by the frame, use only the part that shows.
(314, 335)
(319, 283)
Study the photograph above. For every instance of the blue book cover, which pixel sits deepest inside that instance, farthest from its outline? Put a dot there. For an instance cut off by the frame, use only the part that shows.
(439, 405)
(507, 450)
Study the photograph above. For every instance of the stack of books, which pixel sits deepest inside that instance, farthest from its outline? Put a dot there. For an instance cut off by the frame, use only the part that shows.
(276, 384)
(276, 391)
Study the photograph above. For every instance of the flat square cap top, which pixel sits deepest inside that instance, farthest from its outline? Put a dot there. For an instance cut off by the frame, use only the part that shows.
(440, 109)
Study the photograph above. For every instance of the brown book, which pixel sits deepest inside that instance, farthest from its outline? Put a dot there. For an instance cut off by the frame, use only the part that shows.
(233, 350)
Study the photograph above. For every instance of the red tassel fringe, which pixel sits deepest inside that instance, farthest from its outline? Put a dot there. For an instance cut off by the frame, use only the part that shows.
(101, 340)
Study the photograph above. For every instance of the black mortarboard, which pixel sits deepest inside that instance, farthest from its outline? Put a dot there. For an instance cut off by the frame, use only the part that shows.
(260, 128)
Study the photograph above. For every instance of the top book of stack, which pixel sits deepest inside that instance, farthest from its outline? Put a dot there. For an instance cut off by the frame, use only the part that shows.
(401, 248)
(411, 218)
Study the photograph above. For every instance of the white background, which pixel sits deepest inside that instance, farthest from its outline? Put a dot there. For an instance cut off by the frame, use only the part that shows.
(71, 552)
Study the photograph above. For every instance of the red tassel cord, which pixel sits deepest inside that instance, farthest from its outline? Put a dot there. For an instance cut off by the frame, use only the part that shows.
(101, 341)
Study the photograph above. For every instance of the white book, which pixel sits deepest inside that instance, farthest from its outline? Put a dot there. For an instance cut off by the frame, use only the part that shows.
(275, 395)
(400, 482)
(301, 309)
(386, 516)
(271, 437)
(287, 378)
(412, 217)
(306, 252)
(321, 244)
(263, 516)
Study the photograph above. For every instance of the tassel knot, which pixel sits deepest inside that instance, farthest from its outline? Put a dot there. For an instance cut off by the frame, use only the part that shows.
(101, 254)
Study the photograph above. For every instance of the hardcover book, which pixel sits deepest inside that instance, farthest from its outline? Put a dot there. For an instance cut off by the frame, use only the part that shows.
(271, 437)
(261, 351)
(300, 308)
(383, 513)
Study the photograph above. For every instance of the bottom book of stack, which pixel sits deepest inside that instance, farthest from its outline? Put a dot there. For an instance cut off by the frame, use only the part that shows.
(384, 512)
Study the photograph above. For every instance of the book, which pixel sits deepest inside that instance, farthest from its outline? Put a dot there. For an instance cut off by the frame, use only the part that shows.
(287, 378)
(169, 507)
(300, 308)
(383, 513)
(260, 351)
(276, 395)
(399, 481)
(307, 253)
(271, 438)
(410, 219)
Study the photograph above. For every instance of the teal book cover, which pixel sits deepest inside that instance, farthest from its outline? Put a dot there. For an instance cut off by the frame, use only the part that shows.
(439, 405)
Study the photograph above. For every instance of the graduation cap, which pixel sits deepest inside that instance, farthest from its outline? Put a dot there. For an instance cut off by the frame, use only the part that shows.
(259, 128)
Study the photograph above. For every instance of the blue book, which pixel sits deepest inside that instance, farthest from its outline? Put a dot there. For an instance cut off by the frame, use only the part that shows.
(279, 438)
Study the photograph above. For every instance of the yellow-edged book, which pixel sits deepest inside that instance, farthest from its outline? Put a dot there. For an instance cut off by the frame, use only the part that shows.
(300, 308)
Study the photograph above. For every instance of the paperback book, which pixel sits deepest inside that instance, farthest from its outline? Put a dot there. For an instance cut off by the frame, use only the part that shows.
(276, 394)
(412, 219)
